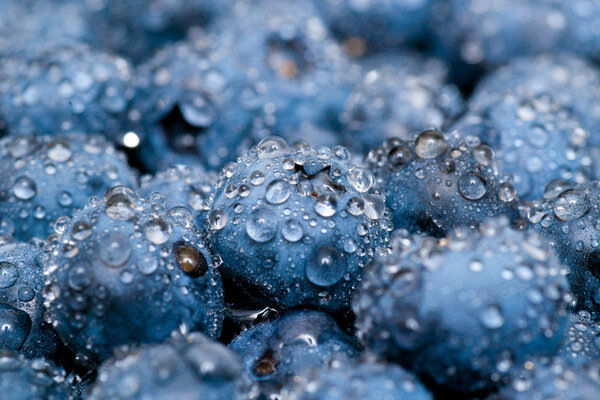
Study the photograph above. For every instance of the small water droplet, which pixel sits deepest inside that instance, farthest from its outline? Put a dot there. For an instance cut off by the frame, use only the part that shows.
(120, 203)
(271, 147)
(114, 249)
(277, 192)
(472, 186)
(24, 188)
(292, 230)
(8, 274)
(261, 226)
(430, 144)
(491, 317)
(59, 151)
(326, 267)
(158, 231)
(360, 179)
(325, 205)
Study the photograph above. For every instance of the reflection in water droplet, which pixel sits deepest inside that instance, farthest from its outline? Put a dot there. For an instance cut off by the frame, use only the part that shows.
(114, 249)
(24, 188)
(571, 204)
(190, 260)
(326, 267)
(472, 186)
(430, 144)
(277, 192)
(120, 203)
(261, 226)
(325, 205)
(158, 231)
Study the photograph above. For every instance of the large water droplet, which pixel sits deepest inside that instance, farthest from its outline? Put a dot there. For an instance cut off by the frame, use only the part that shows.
(261, 226)
(158, 231)
(292, 230)
(59, 151)
(360, 179)
(114, 249)
(271, 147)
(430, 144)
(491, 317)
(15, 325)
(472, 186)
(120, 203)
(326, 267)
(277, 192)
(8, 274)
(24, 188)
(217, 219)
(80, 276)
(325, 205)
(571, 204)
(198, 111)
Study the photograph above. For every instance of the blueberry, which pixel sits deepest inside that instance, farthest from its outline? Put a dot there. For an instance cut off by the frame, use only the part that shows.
(438, 182)
(22, 379)
(22, 304)
(356, 381)
(373, 25)
(572, 82)
(534, 138)
(464, 311)
(192, 107)
(581, 343)
(567, 216)
(127, 270)
(46, 177)
(295, 226)
(183, 186)
(188, 367)
(298, 76)
(65, 89)
(555, 378)
(137, 28)
(400, 95)
(275, 353)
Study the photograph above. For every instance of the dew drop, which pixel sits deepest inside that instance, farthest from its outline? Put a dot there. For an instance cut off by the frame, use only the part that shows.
(325, 205)
(120, 203)
(472, 186)
(271, 147)
(24, 188)
(571, 204)
(8, 274)
(114, 249)
(261, 226)
(360, 179)
(326, 267)
(190, 260)
(158, 231)
(292, 230)
(59, 151)
(430, 144)
(277, 192)
(491, 317)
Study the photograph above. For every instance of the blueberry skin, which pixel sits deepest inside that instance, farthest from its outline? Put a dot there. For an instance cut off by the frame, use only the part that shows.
(28, 27)
(63, 89)
(191, 106)
(494, 33)
(295, 226)
(189, 367)
(399, 95)
(438, 182)
(275, 353)
(571, 81)
(462, 312)
(298, 75)
(183, 186)
(355, 381)
(534, 138)
(127, 270)
(567, 216)
(377, 24)
(137, 28)
(22, 304)
(555, 379)
(22, 379)
(46, 177)
(581, 343)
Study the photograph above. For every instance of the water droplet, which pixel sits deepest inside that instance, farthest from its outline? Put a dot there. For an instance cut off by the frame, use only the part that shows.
(190, 260)
(399, 156)
(430, 144)
(350, 246)
(374, 206)
(80, 276)
(65, 199)
(476, 266)
(8, 274)
(483, 154)
(292, 230)
(148, 264)
(360, 179)
(472, 186)
(326, 267)
(491, 317)
(217, 219)
(120, 203)
(59, 151)
(15, 326)
(198, 111)
(506, 192)
(26, 293)
(114, 249)
(571, 204)
(24, 188)
(356, 206)
(261, 226)
(271, 147)
(158, 231)
(127, 277)
(257, 178)
(325, 205)
(277, 192)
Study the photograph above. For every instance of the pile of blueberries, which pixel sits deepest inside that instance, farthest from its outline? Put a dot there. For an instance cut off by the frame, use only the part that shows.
(299, 199)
